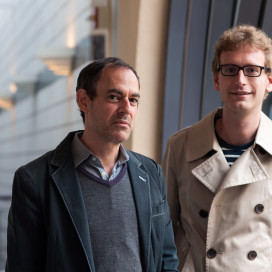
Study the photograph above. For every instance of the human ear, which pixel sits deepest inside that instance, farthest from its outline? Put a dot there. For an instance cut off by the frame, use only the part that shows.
(82, 100)
(269, 86)
(216, 81)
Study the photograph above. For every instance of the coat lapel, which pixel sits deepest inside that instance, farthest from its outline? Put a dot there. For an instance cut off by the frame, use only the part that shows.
(202, 141)
(212, 171)
(141, 191)
(67, 183)
(247, 169)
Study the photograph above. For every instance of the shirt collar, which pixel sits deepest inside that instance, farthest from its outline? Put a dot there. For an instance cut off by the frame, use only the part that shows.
(81, 152)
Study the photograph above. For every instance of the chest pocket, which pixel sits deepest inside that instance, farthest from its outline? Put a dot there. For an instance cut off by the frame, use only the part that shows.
(159, 209)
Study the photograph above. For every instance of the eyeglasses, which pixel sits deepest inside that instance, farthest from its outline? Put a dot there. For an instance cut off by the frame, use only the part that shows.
(248, 70)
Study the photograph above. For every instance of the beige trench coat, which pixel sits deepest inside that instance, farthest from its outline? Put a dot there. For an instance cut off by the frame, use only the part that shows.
(222, 216)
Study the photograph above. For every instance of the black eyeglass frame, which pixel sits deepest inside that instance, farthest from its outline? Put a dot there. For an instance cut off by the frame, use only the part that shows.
(219, 67)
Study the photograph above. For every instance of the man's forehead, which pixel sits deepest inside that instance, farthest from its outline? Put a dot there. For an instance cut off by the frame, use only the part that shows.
(116, 79)
(242, 47)
(247, 50)
(112, 69)
(109, 70)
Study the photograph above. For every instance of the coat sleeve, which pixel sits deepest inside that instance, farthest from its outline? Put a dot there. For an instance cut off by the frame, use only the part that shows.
(26, 242)
(169, 259)
(162, 250)
(170, 166)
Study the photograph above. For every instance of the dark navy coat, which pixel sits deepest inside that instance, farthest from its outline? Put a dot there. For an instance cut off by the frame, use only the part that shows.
(48, 227)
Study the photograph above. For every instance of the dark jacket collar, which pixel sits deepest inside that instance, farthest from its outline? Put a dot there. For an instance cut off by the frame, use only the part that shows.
(63, 152)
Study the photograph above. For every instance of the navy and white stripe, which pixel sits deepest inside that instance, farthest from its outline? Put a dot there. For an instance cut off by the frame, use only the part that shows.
(232, 152)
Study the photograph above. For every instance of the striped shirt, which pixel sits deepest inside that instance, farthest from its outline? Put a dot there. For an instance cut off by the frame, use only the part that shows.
(232, 152)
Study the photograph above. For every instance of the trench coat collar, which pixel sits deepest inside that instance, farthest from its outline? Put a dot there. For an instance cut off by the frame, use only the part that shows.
(264, 134)
(65, 178)
(214, 172)
(248, 168)
(202, 138)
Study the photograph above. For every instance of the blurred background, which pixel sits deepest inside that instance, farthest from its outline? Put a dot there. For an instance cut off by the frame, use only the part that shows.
(45, 43)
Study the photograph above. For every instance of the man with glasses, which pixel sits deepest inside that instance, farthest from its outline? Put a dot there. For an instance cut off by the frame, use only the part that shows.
(219, 170)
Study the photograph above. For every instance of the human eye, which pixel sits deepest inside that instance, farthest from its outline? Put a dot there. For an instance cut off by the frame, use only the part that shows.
(113, 97)
(252, 70)
(230, 69)
(134, 100)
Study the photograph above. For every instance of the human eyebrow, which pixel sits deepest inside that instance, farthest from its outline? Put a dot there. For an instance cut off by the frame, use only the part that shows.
(116, 91)
(136, 95)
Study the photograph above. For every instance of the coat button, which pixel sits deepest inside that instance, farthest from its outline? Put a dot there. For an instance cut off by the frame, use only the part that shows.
(259, 208)
(203, 213)
(252, 255)
(211, 253)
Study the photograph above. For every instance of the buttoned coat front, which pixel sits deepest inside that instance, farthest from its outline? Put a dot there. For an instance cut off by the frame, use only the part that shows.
(222, 216)
(48, 228)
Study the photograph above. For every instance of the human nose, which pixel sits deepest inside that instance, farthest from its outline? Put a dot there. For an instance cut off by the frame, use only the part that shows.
(241, 77)
(124, 106)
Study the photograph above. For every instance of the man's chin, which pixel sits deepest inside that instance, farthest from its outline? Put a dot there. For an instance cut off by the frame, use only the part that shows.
(120, 137)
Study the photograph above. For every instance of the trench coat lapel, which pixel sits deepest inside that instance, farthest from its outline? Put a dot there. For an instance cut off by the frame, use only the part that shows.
(212, 171)
(141, 191)
(202, 141)
(263, 137)
(247, 169)
(67, 183)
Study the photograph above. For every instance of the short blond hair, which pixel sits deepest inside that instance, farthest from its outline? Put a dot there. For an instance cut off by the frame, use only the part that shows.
(242, 35)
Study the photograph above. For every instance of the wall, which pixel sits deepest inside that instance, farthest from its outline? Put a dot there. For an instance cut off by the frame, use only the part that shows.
(142, 39)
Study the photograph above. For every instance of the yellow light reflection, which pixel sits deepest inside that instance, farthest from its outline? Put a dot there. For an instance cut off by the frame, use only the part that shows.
(6, 104)
(13, 88)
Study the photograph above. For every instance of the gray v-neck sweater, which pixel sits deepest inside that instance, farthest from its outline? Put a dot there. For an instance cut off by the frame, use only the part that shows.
(112, 221)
